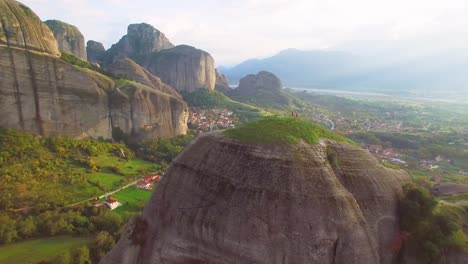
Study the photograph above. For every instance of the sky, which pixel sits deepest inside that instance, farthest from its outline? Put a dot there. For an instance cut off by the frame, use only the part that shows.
(233, 31)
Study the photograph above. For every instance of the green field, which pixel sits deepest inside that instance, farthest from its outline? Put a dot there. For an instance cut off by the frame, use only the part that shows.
(34, 251)
(132, 199)
(107, 179)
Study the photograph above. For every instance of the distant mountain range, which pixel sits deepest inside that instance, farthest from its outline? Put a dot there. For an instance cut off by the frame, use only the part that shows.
(434, 75)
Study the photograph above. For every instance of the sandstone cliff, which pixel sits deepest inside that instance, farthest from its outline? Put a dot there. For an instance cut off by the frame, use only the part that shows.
(185, 68)
(43, 94)
(95, 51)
(222, 201)
(263, 88)
(69, 38)
(222, 83)
(141, 40)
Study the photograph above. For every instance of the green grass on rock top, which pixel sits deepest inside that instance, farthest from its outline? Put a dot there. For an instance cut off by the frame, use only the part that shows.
(281, 130)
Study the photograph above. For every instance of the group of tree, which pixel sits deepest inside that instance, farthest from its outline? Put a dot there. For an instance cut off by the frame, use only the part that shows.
(162, 151)
(430, 231)
(34, 174)
(82, 221)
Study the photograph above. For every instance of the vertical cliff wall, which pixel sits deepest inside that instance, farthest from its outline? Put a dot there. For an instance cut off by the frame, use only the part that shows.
(42, 94)
(185, 68)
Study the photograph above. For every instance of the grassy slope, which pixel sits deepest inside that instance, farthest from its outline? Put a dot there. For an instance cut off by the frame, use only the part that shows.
(34, 251)
(281, 130)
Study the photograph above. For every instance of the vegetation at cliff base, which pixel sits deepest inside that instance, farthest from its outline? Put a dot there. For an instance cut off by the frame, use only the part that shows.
(281, 130)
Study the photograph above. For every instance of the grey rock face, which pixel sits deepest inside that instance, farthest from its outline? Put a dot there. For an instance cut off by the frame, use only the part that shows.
(95, 51)
(44, 95)
(141, 40)
(69, 38)
(185, 68)
(226, 202)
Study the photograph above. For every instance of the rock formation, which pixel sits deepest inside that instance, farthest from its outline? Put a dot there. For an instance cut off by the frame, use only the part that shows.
(264, 89)
(222, 83)
(96, 52)
(69, 38)
(129, 69)
(141, 40)
(251, 84)
(21, 28)
(185, 68)
(222, 201)
(43, 94)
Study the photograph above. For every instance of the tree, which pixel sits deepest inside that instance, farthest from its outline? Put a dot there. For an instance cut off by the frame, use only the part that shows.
(107, 221)
(430, 232)
(81, 256)
(102, 243)
(7, 229)
(27, 228)
(63, 258)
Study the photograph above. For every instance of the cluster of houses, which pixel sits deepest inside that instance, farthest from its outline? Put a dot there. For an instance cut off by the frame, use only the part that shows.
(386, 154)
(432, 164)
(204, 120)
(147, 182)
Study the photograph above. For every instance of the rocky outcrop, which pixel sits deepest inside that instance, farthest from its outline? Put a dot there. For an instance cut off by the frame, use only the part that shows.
(222, 201)
(222, 83)
(141, 40)
(185, 68)
(69, 38)
(95, 51)
(263, 88)
(45, 95)
(127, 68)
(252, 83)
(144, 112)
(21, 28)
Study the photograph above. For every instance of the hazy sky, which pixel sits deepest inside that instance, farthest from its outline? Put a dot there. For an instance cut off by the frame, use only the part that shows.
(233, 31)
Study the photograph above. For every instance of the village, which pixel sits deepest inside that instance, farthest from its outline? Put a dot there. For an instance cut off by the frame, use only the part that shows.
(204, 120)
(389, 155)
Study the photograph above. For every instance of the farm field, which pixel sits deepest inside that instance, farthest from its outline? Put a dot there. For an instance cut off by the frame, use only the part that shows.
(33, 251)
